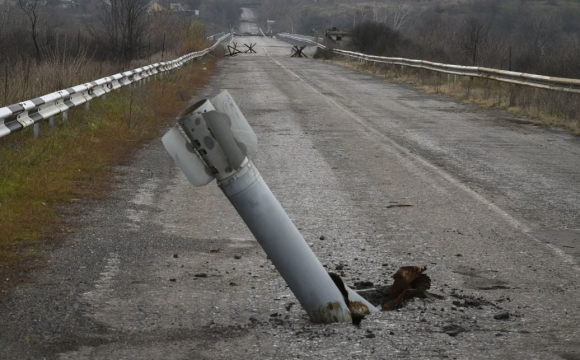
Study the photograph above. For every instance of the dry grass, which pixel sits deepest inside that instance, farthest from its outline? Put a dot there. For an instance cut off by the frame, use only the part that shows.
(29, 79)
(543, 107)
(40, 179)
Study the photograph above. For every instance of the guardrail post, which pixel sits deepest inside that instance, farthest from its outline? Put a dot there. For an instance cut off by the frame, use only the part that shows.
(65, 116)
(51, 122)
(217, 148)
(104, 97)
(87, 106)
(36, 130)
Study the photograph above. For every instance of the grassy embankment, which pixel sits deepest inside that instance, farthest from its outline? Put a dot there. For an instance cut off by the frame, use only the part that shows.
(40, 180)
(541, 107)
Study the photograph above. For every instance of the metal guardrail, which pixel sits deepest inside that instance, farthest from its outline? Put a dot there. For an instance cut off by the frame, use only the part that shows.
(512, 77)
(218, 35)
(16, 117)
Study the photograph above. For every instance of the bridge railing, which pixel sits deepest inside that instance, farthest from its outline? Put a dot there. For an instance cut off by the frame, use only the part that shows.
(16, 117)
(512, 77)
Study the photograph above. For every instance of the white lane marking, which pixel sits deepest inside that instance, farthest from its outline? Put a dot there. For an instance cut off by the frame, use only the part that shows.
(567, 258)
(104, 284)
(145, 194)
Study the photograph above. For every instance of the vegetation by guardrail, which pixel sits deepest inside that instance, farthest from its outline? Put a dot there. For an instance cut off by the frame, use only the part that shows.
(537, 81)
(16, 117)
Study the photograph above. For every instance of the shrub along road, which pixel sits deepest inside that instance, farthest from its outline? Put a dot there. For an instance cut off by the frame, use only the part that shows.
(165, 270)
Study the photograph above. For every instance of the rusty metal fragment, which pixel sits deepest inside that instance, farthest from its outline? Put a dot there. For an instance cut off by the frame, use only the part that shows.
(358, 306)
(410, 282)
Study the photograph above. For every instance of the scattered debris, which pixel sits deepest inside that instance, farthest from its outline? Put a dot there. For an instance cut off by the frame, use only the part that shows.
(398, 205)
(360, 285)
(237, 257)
(453, 330)
(339, 267)
(233, 284)
(322, 237)
(214, 250)
(502, 316)
(175, 256)
(173, 280)
(201, 275)
(410, 282)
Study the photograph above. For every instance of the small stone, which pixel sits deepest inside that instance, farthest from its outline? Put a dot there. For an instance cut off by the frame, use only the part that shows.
(237, 257)
(339, 267)
(322, 237)
(502, 316)
(453, 330)
(370, 336)
(458, 255)
(174, 280)
(175, 256)
(274, 314)
(201, 275)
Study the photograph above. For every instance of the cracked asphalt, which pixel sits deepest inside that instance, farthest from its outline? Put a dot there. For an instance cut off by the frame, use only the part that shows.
(163, 270)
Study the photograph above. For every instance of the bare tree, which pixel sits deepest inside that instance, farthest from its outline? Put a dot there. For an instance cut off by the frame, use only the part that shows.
(123, 27)
(5, 16)
(30, 8)
(539, 32)
(471, 35)
(400, 14)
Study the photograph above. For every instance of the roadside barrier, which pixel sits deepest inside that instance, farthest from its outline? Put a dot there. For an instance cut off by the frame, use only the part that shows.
(512, 77)
(16, 117)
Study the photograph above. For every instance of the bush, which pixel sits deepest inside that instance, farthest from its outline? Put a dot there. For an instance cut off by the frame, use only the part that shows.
(378, 39)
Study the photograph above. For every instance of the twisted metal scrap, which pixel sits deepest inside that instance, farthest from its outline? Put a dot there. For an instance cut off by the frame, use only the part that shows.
(410, 282)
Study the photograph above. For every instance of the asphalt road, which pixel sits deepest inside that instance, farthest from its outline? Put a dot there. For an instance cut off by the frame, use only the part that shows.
(495, 216)
(248, 22)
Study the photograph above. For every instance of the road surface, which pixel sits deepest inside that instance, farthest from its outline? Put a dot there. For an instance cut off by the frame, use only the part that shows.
(163, 270)
(248, 22)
